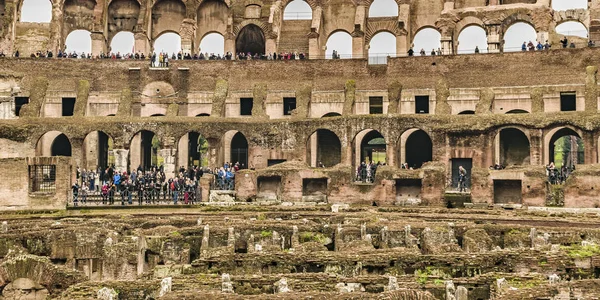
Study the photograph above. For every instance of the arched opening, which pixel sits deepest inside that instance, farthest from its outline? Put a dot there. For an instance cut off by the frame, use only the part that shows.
(513, 147)
(572, 29)
(297, 10)
(371, 147)
(98, 151)
(426, 40)
(339, 45)
(203, 115)
(122, 16)
(472, 39)
(331, 114)
(61, 146)
(566, 148)
(169, 43)
(569, 4)
(167, 16)
(419, 149)
(213, 44)
(157, 115)
(517, 34)
(381, 46)
(517, 111)
(123, 43)
(250, 39)
(239, 150)
(53, 143)
(145, 151)
(36, 11)
(324, 149)
(79, 14)
(193, 150)
(467, 112)
(383, 8)
(79, 41)
(212, 16)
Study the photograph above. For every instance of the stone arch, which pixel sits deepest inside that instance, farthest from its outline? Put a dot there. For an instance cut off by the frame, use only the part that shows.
(374, 28)
(569, 28)
(251, 39)
(236, 149)
(553, 135)
(304, 10)
(144, 150)
(155, 98)
(426, 38)
(211, 16)
(517, 111)
(96, 148)
(122, 16)
(120, 38)
(323, 146)
(53, 143)
(464, 23)
(383, 48)
(512, 147)
(168, 42)
(212, 42)
(343, 44)
(331, 114)
(389, 6)
(167, 16)
(513, 36)
(312, 3)
(416, 148)
(467, 112)
(192, 150)
(517, 18)
(371, 144)
(30, 11)
(79, 14)
(262, 25)
(74, 39)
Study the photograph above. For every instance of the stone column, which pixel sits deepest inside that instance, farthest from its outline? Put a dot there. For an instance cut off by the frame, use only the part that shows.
(187, 31)
(401, 45)
(390, 154)
(169, 156)
(121, 159)
(7, 105)
(142, 43)
(98, 43)
(56, 41)
(358, 36)
(447, 45)
(449, 5)
(314, 47)
(313, 150)
(493, 38)
(230, 44)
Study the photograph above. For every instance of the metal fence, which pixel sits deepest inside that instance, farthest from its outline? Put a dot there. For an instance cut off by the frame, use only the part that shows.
(42, 178)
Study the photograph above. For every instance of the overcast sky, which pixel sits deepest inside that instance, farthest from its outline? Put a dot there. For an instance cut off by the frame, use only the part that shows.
(382, 44)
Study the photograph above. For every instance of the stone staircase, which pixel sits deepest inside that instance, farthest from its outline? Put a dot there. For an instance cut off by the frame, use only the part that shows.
(294, 36)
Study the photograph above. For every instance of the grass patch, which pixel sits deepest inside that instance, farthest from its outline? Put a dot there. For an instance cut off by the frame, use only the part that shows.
(578, 251)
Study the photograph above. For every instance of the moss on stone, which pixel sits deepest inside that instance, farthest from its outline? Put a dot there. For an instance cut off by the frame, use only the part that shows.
(37, 95)
(303, 97)
(486, 99)
(394, 95)
(349, 97)
(83, 94)
(591, 89)
(537, 100)
(173, 110)
(259, 95)
(442, 92)
(125, 103)
(219, 98)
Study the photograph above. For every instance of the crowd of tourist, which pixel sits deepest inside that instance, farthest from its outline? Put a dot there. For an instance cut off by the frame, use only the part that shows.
(148, 186)
(558, 175)
(365, 172)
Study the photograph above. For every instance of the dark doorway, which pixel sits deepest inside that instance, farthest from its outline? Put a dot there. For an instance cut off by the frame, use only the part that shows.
(568, 101)
(466, 163)
(421, 104)
(329, 148)
(102, 150)
(272, 162)
(419, 149)
(508, 191)
(68, 107)
(251, 40)
(566, 148)
(514, 147)
(289, 104)
(375, 105)
(246, 105)
(61, 146)
(466, 112)
(197, 148)
(331, 115)
(146, 149)
(19, 102)
(239, 150)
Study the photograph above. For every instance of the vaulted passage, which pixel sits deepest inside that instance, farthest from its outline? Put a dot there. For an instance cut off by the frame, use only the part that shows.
(514, 147)
(251, 40)
(324, 149)
(419, 149)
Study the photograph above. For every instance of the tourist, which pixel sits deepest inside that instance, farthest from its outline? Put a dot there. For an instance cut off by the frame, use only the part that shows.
(539, 46)
(411, 52)
(564, 42)
(524, 46)
(530, 46)
(462, 178)
(75, 189)
(476, 49)
(423, 52)
(547, 45)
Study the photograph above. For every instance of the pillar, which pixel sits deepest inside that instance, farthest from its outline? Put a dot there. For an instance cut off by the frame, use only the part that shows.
(56, 25)
(358, 36)
(183, 151)
(187, 32)
(448, 5)
(390, 154)
(169, 156)
(135, 151)
(401, 45)
(98, 43)
(230, 44)
(142, 43)
(447, 45)
(494, 2)
(543, 36)
(271, 45)
(493, 38)
(313, 149)
(121, 159)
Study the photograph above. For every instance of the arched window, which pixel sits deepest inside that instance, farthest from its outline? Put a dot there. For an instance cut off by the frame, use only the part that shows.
(471, 38)
(36, 11)
(168, 43)
(514, 147)
(297, 10)
(569, 4)
(517, 34)
(341, 43)
(324, 149)
(123, 42)
(383, 8)
(250, 39)
(566, 148)
(381, 46)
(572, 28)
(79, 41)
(426, 39)
(213, 43)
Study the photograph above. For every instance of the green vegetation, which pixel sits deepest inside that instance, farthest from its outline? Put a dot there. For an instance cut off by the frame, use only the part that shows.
(312, 237)
(578, 251)
(424, 275)
(266, 233)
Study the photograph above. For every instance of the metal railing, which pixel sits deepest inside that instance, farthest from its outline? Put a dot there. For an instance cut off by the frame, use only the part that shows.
(160, 196)
(297, 16)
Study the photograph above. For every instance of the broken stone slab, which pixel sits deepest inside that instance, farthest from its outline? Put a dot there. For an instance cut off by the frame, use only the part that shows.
(226, 284)
(393, 283)
(281, 286)
(4, 226)
(107, 294)
(462, 293)
(553, 279)
(350, 287)
(165, 286)
(450, 290)
(337, 207)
